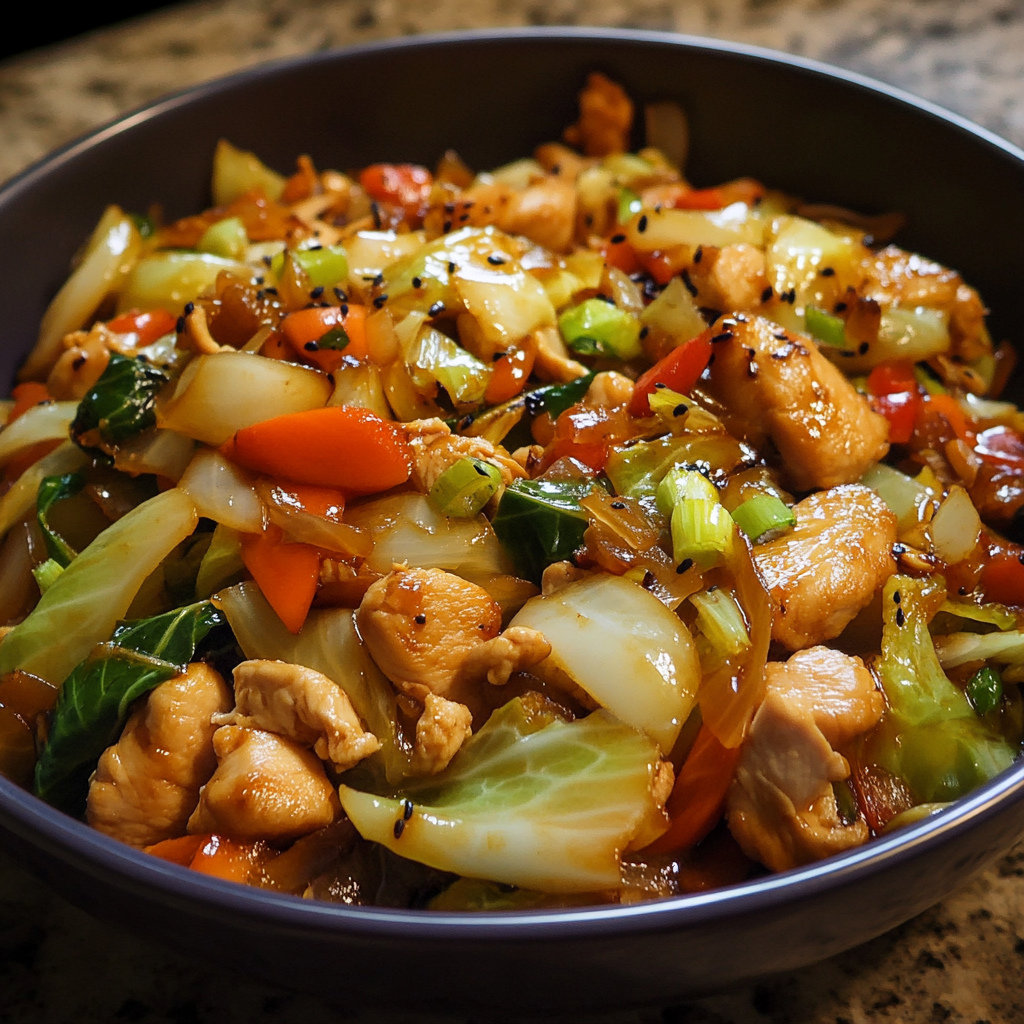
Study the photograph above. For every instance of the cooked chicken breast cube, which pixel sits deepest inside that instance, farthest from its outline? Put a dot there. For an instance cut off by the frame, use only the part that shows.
(829, 566)
(440, 731)
(781, 806)
(265, 787)
(147, 784)
(302, 705)
(435, 448)
(781, 387)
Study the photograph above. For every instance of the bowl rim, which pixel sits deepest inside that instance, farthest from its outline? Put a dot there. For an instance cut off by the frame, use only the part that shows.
(37, 823)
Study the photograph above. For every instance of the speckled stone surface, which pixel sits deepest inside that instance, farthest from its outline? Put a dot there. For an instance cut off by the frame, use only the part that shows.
(962, 961)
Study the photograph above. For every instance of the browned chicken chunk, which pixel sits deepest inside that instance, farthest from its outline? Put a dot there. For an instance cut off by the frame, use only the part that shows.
(435, 448)
(265, 787)
(781, 387)
(302, 705)
(441, 730)
(829, 566)
(147, 784)
(781, 806)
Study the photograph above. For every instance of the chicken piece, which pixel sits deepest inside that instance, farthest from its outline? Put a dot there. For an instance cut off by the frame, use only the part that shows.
(544, 212)
(552, 361)
(609, 390)
(265, 787)
(435, 448)
(778, 385)
(302, 705)
(429, 632)
(81, 364)
(147, 784)
(441, 730)
(498, 659)
(828, 567)
(606, 118)
(730, 278)
(781, 806)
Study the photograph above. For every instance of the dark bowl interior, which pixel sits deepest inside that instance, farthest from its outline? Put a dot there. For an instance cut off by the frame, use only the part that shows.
(826, 135)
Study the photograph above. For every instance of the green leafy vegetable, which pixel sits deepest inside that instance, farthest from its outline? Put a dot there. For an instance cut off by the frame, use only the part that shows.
(540, 522)
(119, 404)
(932, 736)
(530, 801)
(336, 339)
(51, 490)
(985, 690)
(95, 699)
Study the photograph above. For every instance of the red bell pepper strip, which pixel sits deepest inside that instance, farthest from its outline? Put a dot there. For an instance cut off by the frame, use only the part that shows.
(345, 447)
(698, 796)
(679, 370)
(900, 409)
(287, 574)
(305, 328)
(404, 185)
(146, 326)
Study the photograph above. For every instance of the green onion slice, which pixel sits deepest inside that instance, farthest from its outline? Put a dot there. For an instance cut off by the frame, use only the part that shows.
(763, 517)
(463, 489)
(985, 690)
(828, 329)
(720, 619)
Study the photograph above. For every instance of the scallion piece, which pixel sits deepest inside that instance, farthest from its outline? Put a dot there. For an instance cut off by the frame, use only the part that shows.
(463, 489)
(47, 573)
(720, 619)
(763, 516)
(679, 484)
(701, 531)
(828, 329)
(325, 266)
(226, 238)
(985, 690)
(596, 327)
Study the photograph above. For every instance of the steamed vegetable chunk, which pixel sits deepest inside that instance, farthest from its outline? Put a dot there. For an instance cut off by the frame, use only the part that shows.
(558, 533)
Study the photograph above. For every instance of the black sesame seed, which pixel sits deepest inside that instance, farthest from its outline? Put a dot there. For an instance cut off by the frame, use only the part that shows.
(378, 280)
(790, 296)
(260, 294)
(421, 619)
(648, 581)
(724, 336)
(179, 324)
(78, 363)
(189, 307)
(375, 213)
(684, 566)
(897, 597)
(449, 207)
(314, 246)
(417, 282)
(270, 291)
(467, 421)
(767, 294)
(644, 331)
(469, 204)
(463, 218)
(641, 224)
(679, 410)
(535, 402)
(690, 286)
(556, 169)
(317, 292)
(379, 301)
(259, 280)
(828, 272)
(496, 261)
(399, 828)
(446, 227)
(312, 346)
(618, 239)
(618, 504)
(962, 591)
(839, 307)
(340, 295)
(699, 254)
(451, 268)
(900, 617)
(407, 813)
(437, 307)
(660, 384)
(863, 348)
(343, 309)
(267, 260)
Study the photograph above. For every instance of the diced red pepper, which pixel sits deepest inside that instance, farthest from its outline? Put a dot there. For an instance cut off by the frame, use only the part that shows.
(742, 190)
(146, 326)
(892, 378)
(1002, 579)
(404, 185)
(679, 370)
(900, 409)
(621, 255)
(663, 266)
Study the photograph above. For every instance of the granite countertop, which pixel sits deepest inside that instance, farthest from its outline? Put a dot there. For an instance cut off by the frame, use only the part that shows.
(962, 960)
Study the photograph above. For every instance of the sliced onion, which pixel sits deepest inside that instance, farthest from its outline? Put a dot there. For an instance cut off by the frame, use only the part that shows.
(220, 394)
(284, 509)
(162, 452)
(955, 527)
(22, 549)
(20, 500)
(109, 256)
(168, 280)
(48, 422)
(651, 231)
(406, 528)
(236, 172)
(223, 492)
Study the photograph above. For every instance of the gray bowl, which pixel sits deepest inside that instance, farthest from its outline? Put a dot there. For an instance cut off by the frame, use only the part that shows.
(812, 130)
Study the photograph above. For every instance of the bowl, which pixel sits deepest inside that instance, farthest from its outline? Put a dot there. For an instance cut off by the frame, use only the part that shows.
(812, 130)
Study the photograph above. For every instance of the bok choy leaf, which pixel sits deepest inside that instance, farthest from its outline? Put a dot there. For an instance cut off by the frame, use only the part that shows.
(530, 800)
(95, 699)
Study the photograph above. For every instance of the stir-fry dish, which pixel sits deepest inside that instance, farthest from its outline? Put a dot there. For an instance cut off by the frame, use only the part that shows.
(557, 534)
